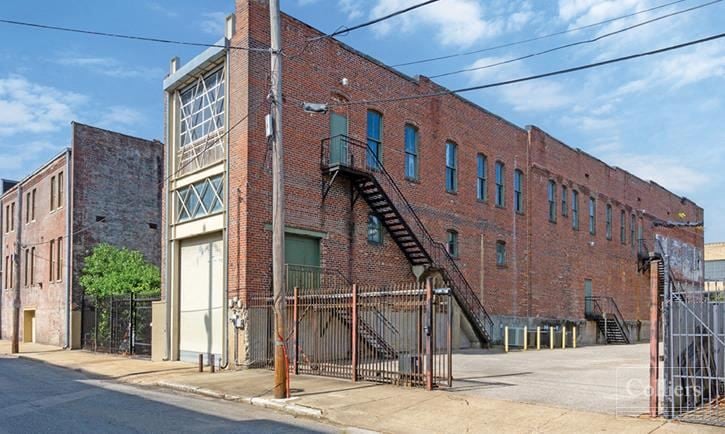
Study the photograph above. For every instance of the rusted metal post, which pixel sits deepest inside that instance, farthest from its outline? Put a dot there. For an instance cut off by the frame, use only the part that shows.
(429, 334)
(211, 363)
(296, 316)
(654, 347)
(201, 362)
(354, 327)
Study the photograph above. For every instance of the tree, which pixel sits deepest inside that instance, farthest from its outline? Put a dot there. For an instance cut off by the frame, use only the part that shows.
(110, 270)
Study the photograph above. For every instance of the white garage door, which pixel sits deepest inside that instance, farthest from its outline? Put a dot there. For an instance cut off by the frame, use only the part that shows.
(201, 298)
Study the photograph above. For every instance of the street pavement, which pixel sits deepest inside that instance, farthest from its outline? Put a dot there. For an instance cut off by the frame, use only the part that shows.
(37, 398)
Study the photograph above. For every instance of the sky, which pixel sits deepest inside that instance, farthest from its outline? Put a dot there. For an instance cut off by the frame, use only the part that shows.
(661, 117)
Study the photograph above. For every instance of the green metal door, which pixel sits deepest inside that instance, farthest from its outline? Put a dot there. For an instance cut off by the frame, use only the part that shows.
(302, 256)
(587, 296)
(338, 144)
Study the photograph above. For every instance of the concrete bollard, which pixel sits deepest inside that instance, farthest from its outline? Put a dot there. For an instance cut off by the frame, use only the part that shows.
(526, 338)
(506, 339)
(563, 337)
(538, 338)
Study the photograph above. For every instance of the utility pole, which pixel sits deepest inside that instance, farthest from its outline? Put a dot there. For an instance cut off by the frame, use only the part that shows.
(278, 289)
(18, 250)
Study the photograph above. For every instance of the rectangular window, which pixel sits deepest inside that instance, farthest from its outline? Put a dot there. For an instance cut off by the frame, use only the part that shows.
(26, 267)
(592, 216)
(51, 260)
(518, 191)
(564, 205)
(60, 190)
(411, 152)
(481, 175)
(202, 108)
(375, 140)
(7, 218)
(59, 261)
(623, 227)
(500, 253)
(6, 273)
(608, 220)
(375, 229)
(631, 231)
(575, 210)
(12, 216)
(451, 167)
(32, 266)
(500, 197)
(27, 208)
(551, 193)
(52, 193)
(452, 243)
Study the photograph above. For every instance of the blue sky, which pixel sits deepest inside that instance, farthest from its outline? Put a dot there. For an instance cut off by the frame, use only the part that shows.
(661, 118)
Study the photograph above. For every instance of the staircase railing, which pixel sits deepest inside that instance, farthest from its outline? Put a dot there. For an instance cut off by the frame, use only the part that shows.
(603, 305)
(357, 156)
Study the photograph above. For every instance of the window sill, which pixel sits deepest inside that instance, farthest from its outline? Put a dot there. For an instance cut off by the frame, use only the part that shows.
(501, 206)
(413, 180)
(520, 213)
(455, 193)
(484, 201)
(502, 266)
(552, 221)
(375, 243)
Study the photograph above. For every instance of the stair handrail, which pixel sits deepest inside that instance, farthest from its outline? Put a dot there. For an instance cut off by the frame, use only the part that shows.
(613, 309)
(452, 270)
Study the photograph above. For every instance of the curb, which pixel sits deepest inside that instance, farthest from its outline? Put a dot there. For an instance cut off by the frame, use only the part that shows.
(274, 404)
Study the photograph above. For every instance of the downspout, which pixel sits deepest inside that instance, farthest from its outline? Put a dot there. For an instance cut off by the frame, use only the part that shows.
(229, 30)
(169, 248)
(68, 241)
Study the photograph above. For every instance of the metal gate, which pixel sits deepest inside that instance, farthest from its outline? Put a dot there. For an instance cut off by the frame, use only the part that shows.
(399, 334)
(694, 347)
(117, 324)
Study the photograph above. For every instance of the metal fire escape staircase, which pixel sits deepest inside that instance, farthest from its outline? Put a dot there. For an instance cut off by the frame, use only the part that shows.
(610, 321)
(344, 156)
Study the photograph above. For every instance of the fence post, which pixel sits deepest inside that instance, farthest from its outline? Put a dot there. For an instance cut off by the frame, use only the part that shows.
(429, 334)
(95, 324)
(354, 327)
(110, 326)
(295, 362)
(450, 340)
(132, 325)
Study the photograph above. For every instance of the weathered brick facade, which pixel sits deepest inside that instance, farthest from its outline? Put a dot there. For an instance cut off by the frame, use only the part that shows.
(547, 262)
(113, 185)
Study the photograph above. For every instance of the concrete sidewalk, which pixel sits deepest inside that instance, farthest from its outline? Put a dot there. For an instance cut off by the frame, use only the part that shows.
(364, 405)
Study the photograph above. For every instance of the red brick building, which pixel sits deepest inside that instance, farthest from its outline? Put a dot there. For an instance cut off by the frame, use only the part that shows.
(106, 187)
(532, 224)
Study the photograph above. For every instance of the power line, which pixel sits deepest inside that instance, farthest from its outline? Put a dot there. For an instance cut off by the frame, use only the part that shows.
(125, 36)
(537, 38)
(535, 77)
(582, 42)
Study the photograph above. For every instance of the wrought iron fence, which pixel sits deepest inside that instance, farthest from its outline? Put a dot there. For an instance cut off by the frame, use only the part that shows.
(117, 324)
(399, 334)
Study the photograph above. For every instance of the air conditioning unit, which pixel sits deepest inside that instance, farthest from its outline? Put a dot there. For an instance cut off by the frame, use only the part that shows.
(516, 336)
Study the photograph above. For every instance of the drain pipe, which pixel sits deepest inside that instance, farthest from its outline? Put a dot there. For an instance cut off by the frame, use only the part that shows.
(68, 241)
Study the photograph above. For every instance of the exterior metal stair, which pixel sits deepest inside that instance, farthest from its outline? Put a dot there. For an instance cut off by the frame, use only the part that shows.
(610, 321)
(369, 335)
(342, 155)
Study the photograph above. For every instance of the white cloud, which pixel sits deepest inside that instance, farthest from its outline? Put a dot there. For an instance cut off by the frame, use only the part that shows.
(457, 22)
(14, 158)
(669, 172)
(110, 67)
(27, 107)
(352, 8)
(120, 116)
(213, 23)
(583, 12)
(163, 10)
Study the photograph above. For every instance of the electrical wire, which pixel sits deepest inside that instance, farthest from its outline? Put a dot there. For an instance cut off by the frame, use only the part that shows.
(125, 36)
(534, 77)
(582, 42)
(537, 38)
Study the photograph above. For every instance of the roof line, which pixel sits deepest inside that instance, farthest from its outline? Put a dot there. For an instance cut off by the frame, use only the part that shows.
(45, 165)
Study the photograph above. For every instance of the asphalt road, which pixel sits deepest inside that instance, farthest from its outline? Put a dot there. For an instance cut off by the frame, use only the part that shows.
(37, 398)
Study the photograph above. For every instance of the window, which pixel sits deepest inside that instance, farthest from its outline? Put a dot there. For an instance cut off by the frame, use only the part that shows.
(551, 193)
(32, 206)
(451, 167)
(375, 141)
(500, 198)
(375, 229)
(411, 152)
(60, 190)
(564, 205)
(12, 216)
(59, 261)
(592, 216)
(500, 253)
(518, 191)
(197, 200)
(202, 107)
(26, 267)
(623, 227)
(481, 175)
(575, 210)
(7, 218)
(51, 261)
(32, 266)
(27, 208)
(452, 243)
(608, 220)
(52, 193)
(631, 231)
(7, 274)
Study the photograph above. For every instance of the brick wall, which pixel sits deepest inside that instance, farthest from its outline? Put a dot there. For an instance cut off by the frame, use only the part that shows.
(546, 262)
(117, 186)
